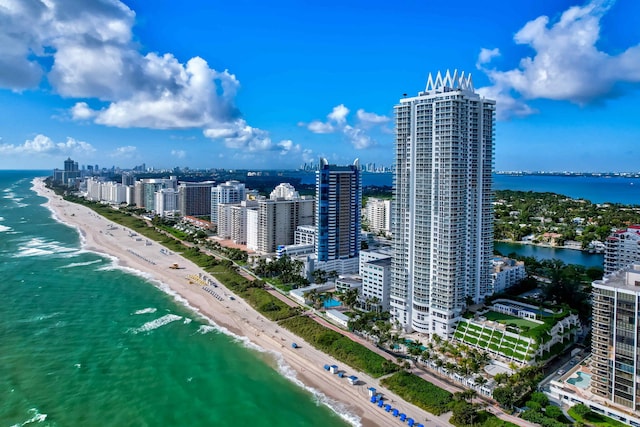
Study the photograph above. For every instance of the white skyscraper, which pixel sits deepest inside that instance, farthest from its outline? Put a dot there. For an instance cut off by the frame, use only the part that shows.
(442, 212)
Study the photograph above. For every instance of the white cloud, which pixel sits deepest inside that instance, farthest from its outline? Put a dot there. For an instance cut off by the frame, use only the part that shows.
(317, 126)
(369, 119)
(358, 137)
(567, 64)
(126, 151)
(180, 154)
(486, 55)
(95, 57)
(339, 114)
(81, 111)
(43, 145)
(337, 122)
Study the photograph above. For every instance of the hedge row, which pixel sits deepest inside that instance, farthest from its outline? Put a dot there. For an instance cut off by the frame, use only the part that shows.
(337, 345)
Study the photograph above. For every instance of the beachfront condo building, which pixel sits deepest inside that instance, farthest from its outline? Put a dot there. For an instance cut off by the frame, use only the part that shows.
(338, 211)
(622, 248)
(278, 219)
(231, 192)
(194, 198)
(615, 345)
(375, 271)
(442, 219)
(378, 214)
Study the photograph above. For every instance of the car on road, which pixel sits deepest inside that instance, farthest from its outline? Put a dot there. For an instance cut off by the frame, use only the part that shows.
(560, 372)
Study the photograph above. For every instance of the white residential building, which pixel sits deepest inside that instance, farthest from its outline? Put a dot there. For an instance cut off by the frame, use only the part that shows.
(375, 270)
(305, 235)
(231, 192)
(506, 273)
(442, 220)
(622, 248)
(166, 202)
(378, 214)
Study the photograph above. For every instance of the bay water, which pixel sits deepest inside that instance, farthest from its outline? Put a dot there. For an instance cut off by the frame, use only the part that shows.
(85, 343)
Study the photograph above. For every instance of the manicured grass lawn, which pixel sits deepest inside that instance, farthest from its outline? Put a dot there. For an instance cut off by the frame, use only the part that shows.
(595, 419)
(506, 319)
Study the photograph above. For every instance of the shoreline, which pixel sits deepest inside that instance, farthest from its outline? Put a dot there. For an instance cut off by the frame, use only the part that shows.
(303, 366)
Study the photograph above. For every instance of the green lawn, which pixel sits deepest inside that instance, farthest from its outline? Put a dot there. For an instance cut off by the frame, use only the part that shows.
(507, 318)
(595, 419)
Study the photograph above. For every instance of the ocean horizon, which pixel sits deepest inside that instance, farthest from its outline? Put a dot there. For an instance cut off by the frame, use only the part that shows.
(88, 343)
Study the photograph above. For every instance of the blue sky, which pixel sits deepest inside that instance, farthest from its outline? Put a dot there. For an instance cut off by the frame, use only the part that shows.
(262, 85)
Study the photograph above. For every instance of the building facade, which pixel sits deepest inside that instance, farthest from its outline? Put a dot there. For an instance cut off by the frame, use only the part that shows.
(231, 192)
(615, 348)
(442, 221)
(506, 273)
(194, 198)
(378, 214)
(338, 212)
(622, 248)
(375, 270)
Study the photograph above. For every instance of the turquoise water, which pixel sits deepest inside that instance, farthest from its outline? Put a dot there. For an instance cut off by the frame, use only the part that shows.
(582, 381)
(331, 303)
(84, 343)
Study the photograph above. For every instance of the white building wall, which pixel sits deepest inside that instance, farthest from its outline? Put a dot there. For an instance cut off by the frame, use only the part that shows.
(442, 213)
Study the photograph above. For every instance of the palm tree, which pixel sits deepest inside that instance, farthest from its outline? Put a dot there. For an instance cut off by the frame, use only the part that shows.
(349, 297)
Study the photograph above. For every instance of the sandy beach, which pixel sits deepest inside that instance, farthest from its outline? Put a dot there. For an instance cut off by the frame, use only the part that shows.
(214, 302)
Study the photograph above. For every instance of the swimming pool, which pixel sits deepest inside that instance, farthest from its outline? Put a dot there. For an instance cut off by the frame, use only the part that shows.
(582, 381)
(331, 303)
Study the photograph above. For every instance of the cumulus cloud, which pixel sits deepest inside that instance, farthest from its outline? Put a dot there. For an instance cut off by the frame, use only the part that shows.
(180, 154)
(355, 134)
(43, 145)
(127, 151)
(486, 55)
(566, 66)
(89, 53)
(370, 119)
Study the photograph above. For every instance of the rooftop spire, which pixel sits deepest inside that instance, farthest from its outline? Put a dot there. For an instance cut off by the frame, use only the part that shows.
(450, 81)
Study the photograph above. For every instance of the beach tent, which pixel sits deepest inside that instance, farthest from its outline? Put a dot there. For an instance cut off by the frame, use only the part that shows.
(387, 407)
(403, 417)
(341, 374)
(327, 367)
(333, 369)
(294, 345)
(372, 391)
(395, 412)
(410, 422)
(353, 380)
(374, 399)
(380, 403)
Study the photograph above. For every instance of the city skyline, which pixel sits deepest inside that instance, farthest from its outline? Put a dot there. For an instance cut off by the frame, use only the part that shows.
(217, 87)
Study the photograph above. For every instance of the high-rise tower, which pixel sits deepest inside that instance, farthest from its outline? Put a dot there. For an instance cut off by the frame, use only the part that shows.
(338, 207)
(442, 209)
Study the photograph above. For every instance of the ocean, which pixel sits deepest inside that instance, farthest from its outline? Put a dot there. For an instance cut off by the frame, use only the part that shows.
(85, 343)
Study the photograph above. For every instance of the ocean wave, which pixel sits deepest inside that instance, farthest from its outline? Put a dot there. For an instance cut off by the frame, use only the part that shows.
(81, 264)
(39, 318)
(1, 218)
(205, 329)
(146, 310)
(36, 417)
(4, 228)
(187, 321)
(155, 324)
(40, 247)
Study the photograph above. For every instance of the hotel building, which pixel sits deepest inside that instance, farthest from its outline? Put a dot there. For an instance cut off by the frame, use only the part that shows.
(442, 221)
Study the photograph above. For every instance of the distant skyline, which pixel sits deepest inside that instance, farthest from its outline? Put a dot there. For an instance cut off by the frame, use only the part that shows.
(265, 85)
